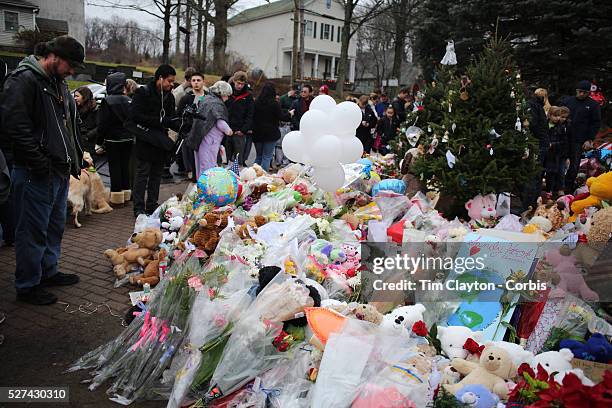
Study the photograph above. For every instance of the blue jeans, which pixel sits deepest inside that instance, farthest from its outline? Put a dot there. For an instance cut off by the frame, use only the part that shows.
(265, 151)
(41, 217)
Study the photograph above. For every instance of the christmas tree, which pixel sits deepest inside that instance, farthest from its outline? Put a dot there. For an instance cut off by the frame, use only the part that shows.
(475, 130)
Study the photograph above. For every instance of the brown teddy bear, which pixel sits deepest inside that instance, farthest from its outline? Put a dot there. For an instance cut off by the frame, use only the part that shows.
(252, 225)
(206, 237)
(413, 184)
(258, 191)
(494, 367)
(138, 253)
(554, 211)
(151, 272)
(594, 254)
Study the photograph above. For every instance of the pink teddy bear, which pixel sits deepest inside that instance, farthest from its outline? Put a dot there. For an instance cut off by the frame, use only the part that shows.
(571, 279)
(481, 207)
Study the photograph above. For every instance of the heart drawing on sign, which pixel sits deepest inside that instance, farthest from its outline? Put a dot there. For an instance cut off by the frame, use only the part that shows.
(474, 250)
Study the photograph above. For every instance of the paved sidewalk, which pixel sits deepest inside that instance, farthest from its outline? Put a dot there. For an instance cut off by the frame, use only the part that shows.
(42, 341)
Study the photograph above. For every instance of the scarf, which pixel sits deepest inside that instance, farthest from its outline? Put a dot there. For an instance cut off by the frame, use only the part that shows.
(210, 109)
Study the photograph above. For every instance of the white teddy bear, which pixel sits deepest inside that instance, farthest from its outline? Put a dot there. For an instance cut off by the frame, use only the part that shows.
(517, 352)
(452, 339)
(559, 362)
(402, 319)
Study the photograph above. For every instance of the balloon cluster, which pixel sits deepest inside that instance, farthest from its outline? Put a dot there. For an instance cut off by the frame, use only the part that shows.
(325, 140)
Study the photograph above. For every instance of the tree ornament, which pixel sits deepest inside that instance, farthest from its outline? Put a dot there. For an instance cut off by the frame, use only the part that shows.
(434, 144)
(428, 129)
(526, 123)
(490, 147)
(453, 127)
(493, 133)
(445, 137)
(526, 154)
(450, 58)
(450, 159)
(518, 76)
(450, 107)
(461, 147)
(512, 94)
(465, 82)
(518, 126)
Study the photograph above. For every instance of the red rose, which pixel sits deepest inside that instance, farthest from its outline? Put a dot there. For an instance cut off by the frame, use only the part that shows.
(420, 329)
(472, 347)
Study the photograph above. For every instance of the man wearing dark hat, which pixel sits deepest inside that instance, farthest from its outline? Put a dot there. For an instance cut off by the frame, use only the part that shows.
(39, 122)
(585, 120)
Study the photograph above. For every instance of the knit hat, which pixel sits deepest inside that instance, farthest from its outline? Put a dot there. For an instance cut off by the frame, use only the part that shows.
(64, 47)
(584, 86)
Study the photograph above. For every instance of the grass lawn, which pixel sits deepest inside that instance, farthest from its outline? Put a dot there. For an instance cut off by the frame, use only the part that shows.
(72, 85)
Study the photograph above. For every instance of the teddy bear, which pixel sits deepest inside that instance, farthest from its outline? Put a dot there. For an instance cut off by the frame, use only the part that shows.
(452, 339)
(600, 189)
(517, 352)
(364, 312)
(413, 370)
(597, 238)
(558, 363)
(401, 319)
(258, 190)
(477, 396)
(259, 171)
(481, 210)
(555, 212)
(412, 182)
(139, 252)
(492, 370)
(538, 224)
(245, 229)
(570, 278)
(290, 173)
(172, 226)
(248, 174)
(597, 348)
(210, 226)
(151, 271)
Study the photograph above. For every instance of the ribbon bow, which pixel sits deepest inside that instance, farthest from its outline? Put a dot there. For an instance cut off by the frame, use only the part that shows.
(472, 347)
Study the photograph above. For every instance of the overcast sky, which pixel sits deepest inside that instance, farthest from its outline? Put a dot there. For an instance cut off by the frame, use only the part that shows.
(104, 12)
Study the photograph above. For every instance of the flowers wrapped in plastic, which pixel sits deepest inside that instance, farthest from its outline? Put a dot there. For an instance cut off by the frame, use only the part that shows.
(250, 350)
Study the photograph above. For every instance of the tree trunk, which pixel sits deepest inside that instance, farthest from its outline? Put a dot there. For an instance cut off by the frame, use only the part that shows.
(220, 38)
(199, 35)
(177, 50)
(166, 40)
(400, 18)
(294, 51)
(188, 37)
(346, 33)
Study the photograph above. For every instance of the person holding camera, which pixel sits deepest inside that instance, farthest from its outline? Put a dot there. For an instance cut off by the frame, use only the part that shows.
(210, 124)
(153, 113)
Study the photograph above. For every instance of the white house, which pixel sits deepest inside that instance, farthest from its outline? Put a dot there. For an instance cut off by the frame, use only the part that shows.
(263, 37)
(57, 16)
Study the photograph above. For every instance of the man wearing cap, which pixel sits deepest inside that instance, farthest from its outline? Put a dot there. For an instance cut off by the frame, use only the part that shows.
(39, 122)
(585, 120)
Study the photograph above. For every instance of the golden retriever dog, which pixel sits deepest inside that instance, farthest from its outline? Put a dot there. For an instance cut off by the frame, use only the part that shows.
(87, 193)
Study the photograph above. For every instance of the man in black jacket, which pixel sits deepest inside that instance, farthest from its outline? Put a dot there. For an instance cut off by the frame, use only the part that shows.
(191, 99)
(300, 106)
(153, 111)
(399, 104)
(39, 120)
(585, 120)
(241, 108)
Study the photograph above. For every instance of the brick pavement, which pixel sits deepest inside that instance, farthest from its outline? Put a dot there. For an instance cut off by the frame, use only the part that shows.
(42, 341)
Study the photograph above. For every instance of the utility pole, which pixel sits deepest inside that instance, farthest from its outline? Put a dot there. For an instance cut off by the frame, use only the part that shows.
(302, 35)
(294, 51)
(177, 50)
(187, 33)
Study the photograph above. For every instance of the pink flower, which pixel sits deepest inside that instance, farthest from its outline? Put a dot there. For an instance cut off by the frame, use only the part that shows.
(195, 282)
(211, 293)
(219, 321)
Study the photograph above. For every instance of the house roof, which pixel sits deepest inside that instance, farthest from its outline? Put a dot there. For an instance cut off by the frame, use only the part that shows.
(52, 26)
(19, 3)
(265, 10)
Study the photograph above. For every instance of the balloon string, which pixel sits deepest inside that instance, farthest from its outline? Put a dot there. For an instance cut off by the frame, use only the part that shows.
(89, 309)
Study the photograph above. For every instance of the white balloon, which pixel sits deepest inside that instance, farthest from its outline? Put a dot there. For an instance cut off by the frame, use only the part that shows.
(344, 133)
(315, 123)
(346, 117)
(351, 150)
(326, 151)
(329, 178)
(293, 146)
(323, 103)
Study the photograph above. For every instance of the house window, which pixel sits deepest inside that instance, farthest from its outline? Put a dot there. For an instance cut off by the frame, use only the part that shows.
(328, 4)
(339, 34)
(325, 31)
(332, 33)
(11, 21)
(309, 30)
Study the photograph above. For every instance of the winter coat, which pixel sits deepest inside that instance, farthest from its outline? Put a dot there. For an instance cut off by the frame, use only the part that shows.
(286, 101)
(88, 124)
(387, 128)
(267, 118)
(179, 92)
(114, 111)
(241, 108)
(557, 148)
(585, 118)
(147, 109)
(210, 110)
(39, 121)
(399, 105)
(364, 132)
(300, 107)
(538, 123)
(186, 120)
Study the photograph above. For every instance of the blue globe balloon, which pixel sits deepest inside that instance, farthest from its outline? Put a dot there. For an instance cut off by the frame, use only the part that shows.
(217, 186)
(395, 185)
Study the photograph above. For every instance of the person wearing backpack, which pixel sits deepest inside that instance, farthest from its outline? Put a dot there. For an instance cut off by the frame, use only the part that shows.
(39, 121)
(7, 207)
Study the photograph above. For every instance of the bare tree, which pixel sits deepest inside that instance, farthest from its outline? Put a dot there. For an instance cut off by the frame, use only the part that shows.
(161, 9)
(402, 13)
(95, 34)
(374, 48)
(354, 19)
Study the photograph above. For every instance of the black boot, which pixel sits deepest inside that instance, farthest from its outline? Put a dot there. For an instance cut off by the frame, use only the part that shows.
(60, 279)
(37, 296)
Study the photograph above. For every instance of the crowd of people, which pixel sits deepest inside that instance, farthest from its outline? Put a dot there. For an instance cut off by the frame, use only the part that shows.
(143, 129)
